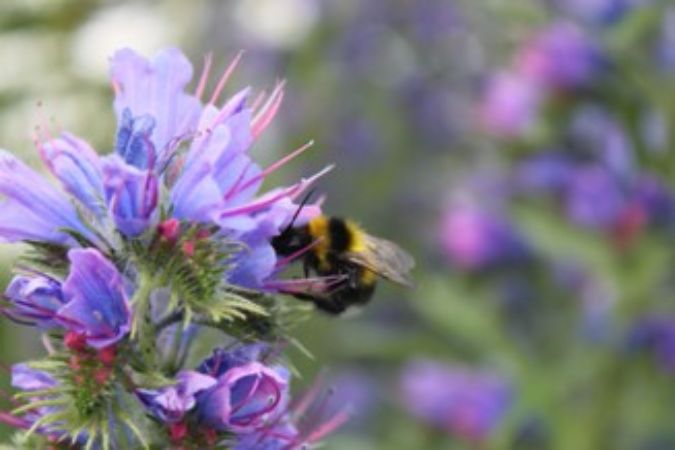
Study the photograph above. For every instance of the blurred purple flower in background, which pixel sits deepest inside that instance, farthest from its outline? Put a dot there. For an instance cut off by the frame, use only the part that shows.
(601, 12)
(665, 48)
(474, 238)
(594, 198)
(463, 401)
(656, 334)
(509, 104)
(560, 57)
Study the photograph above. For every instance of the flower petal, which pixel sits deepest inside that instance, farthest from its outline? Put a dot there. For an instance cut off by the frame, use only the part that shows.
(156, 88)
(97, 303)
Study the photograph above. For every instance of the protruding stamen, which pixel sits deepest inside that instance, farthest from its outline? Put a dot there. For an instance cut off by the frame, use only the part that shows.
(268, 111)
(280, 163)
(203, 78)
(225, 77)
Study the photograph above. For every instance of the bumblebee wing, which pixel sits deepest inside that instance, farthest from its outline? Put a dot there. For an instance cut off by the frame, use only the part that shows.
(386, 259)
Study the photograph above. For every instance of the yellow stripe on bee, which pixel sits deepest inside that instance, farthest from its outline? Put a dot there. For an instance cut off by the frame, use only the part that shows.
(368, 277)
(318, 229)
(358, 243)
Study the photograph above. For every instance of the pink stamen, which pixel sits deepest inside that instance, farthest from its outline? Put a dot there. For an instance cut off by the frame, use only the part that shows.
(225, 77)
(265, 201)
(203, 78)
(308, 398)
(277, 165)
(328, 427)
(260, 203)
(258, 100)
(268, 111)
(295, 255)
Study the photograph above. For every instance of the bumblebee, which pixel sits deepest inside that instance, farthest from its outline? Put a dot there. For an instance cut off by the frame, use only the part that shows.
(339, 248)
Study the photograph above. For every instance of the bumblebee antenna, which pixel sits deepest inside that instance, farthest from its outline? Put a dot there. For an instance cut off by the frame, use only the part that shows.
(297, 212)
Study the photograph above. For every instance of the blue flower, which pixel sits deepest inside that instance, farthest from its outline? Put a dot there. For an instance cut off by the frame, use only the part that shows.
(152, 93)
(465, 402)
(33, 209)
(245, 398)
(36, 299)
(131, 194)
(77, 166)
(170, 404)
(96, 301)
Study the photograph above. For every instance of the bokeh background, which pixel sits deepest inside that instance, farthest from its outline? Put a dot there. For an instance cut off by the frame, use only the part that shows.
(522, 151)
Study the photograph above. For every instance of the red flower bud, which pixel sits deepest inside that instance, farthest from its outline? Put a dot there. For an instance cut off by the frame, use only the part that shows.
(178, 431)
(107, 355)
(75, 341)
(75, 363)
(169, 229)
(189, 248)
(102, 375)
(210, 436)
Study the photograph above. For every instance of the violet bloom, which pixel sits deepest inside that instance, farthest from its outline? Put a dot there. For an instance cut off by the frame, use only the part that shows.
(245, 398)
(544, 173)
(601, 12)
(594, 198)
(656, 335)
(96, 301)
(560, 57)
(665, 51)
(28, 379)
(35, 298)
(475, 239)
(131, 194)
(215, 181)
(509, 105)
(33, 209)
(464, 402)
(172, 403)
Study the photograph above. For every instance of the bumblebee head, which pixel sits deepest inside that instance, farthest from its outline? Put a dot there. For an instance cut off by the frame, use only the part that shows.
(291, 240)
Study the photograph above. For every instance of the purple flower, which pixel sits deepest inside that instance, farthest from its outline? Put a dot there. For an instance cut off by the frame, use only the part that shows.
(665, 51)
(33, 208)
(131, 195)
(602, 12)
(509, 104)
(36, 299)
(216, 181)
(96, 302)
(133, 142)
(462, 401)
(245, 398)
(28, 379)
(474, 239)
(654, 198)
(560, 57)
(76, 165)
(170, 404)
(600, 136)
(657, 335)
(223, 360)
(150, 101)
(546, 172)
(593, 198)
